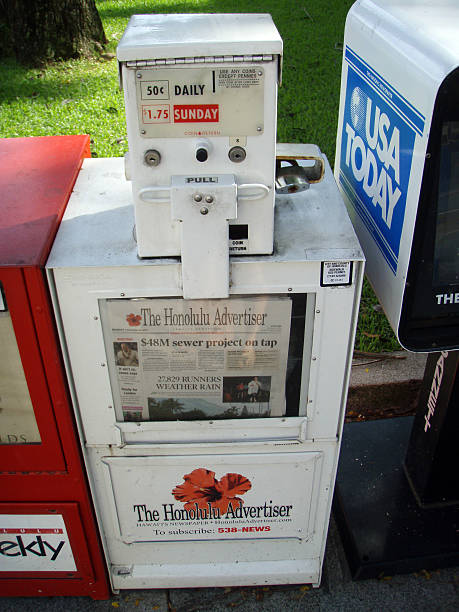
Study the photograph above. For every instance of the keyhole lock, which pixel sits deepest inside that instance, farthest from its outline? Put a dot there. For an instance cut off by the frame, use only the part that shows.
(237, 154)
(152, 157)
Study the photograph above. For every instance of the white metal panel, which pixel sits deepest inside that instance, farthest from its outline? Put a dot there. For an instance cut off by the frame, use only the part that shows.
(303, 571)
(331, 351)
(189, 35)
(408, 48)
(132, 564)
(147, 510)
(204, 234)
(424, 33)
(229, 431)
(97, 227)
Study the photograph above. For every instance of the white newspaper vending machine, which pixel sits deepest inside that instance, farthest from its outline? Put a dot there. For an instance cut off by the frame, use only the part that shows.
(209, 385)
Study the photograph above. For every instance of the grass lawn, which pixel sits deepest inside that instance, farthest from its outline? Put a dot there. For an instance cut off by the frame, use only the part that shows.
(82, 96)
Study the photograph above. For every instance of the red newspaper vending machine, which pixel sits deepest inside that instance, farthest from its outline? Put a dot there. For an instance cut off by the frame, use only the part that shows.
(49, 543)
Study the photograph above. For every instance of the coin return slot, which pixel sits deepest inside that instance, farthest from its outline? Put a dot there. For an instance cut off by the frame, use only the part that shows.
(238, 232)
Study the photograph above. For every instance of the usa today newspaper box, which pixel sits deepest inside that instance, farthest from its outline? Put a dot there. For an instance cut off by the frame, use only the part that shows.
(397, 161)
(210, 426)
(397, 165)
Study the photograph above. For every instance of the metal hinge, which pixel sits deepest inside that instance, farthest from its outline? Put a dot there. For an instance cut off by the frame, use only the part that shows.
(214, 59)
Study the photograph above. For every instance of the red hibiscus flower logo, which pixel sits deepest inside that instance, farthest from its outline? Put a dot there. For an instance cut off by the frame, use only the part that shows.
(202, 488)
(133, 319)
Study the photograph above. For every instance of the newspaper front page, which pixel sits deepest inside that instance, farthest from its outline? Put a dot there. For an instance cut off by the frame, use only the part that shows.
(175, 359)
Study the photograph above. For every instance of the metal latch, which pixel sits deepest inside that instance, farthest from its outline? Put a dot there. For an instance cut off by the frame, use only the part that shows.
(293, 177)
(204, 205)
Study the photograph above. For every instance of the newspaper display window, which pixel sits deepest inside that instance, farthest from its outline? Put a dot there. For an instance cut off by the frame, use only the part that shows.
(174, 359)
(18, 424)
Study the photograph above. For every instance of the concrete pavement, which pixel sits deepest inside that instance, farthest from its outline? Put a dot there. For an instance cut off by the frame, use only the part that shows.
(420, 592)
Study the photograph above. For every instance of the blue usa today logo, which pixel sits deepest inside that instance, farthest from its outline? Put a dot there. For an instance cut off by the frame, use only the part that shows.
(378, 134)
(372, 152)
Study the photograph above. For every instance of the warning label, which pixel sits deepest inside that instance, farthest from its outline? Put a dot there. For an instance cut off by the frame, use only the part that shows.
(336, 273)
(239, 77)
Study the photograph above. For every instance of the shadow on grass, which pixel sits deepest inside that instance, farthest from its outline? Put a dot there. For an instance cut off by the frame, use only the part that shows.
(58, 81)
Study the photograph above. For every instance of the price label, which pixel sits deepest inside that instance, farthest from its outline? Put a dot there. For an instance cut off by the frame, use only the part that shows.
(154, 90)
(156, 113)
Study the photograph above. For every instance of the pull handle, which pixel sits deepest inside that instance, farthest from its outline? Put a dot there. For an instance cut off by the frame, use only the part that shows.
(149, 194)
(259, 191)
(145, 197)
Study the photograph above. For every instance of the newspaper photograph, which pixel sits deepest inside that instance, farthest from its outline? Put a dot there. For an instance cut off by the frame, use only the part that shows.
(175, 359)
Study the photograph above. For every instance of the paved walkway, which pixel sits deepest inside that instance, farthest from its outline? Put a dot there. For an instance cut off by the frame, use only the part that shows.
(422, 592)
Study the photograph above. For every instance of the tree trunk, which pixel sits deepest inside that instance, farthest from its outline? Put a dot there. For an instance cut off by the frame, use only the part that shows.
(46, 30)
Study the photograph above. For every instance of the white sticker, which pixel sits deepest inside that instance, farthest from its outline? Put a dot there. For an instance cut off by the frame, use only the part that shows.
(336, 273)
(241, 245)
(34, 543)
(2, 303)
(206, 101)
